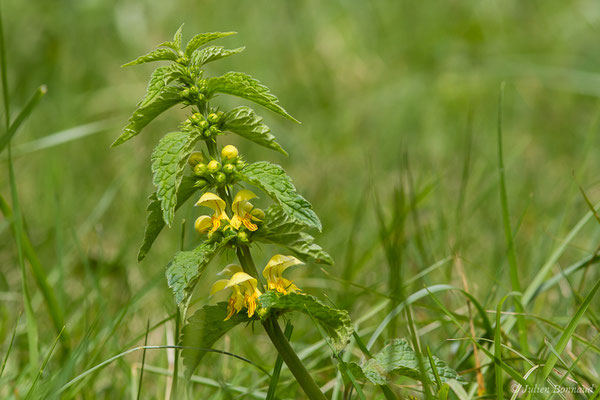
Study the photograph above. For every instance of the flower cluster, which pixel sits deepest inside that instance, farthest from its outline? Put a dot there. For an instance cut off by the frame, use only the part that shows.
(244, 288)
(194, 94)
(208, 127)
(215, 172)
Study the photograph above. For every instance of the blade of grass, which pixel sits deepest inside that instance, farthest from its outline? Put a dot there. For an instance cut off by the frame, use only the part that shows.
(512, 254)
(35, 98)
(39, 274)
(569, 331)
(436, 374)
(62, 137)
(32, 329)
(39, 374)
(498, 346)
(3, 63)
(10, 345)
(139, 390)
(176, 358)
(278, 364)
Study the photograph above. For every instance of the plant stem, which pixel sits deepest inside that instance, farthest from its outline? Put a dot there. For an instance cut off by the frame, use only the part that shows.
(285, 350)
(291, 359)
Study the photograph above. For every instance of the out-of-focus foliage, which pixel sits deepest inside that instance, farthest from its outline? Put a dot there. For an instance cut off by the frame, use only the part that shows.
(397, 99)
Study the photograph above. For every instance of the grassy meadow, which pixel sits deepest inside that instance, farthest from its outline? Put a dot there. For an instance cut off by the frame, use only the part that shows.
(398, 152)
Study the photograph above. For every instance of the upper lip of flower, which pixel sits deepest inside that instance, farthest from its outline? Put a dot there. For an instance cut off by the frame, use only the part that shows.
(215, 203)
(273, 273)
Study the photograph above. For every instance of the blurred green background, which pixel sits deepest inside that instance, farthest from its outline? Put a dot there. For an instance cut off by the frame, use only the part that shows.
(394, 97)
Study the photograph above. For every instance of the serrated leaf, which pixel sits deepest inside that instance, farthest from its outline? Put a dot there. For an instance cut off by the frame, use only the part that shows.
(279, 229)
(160, 78)
(167, 167)
(212, 53)
(272, 179)
(165, 99)
(177, 37)
(155, 222)
(336, 323)
(202, 38)
(244, 86)
(169, 159)
(399, 358)
(187, 267)
(156, 55)
(243, 121)
(203, 330)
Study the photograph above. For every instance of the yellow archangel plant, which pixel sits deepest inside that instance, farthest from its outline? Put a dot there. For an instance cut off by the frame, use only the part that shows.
(181, 171)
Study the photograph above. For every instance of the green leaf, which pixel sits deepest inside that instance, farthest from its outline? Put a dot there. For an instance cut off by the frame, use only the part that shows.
(279, 229)
(169, 159)
(203, 330)
(167, 167)
(155, 221)
(156, 55)
(175, 44)
(212, 53)
(399, 358)
(336, 323)
(244, 86)
(272, 179)
(160, 78)
(165, 99)
(201, 39)
(243, 121)
(187, 267)
(177, 38)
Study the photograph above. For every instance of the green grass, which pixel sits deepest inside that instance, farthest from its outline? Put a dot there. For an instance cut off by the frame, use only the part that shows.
(398, 152)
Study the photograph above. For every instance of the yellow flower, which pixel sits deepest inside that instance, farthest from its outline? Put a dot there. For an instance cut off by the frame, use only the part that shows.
(242, 211)
(274, 270)
(244, 291)
(215, 203)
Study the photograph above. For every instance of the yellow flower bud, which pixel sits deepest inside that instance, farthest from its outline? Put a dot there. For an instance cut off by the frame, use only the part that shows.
(213, 166)
(195, 158)
(229, 152)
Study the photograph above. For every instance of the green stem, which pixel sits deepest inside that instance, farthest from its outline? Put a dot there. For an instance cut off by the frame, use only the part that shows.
(278, 364)
(245, 257)
(285, 350)
(289, 356)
